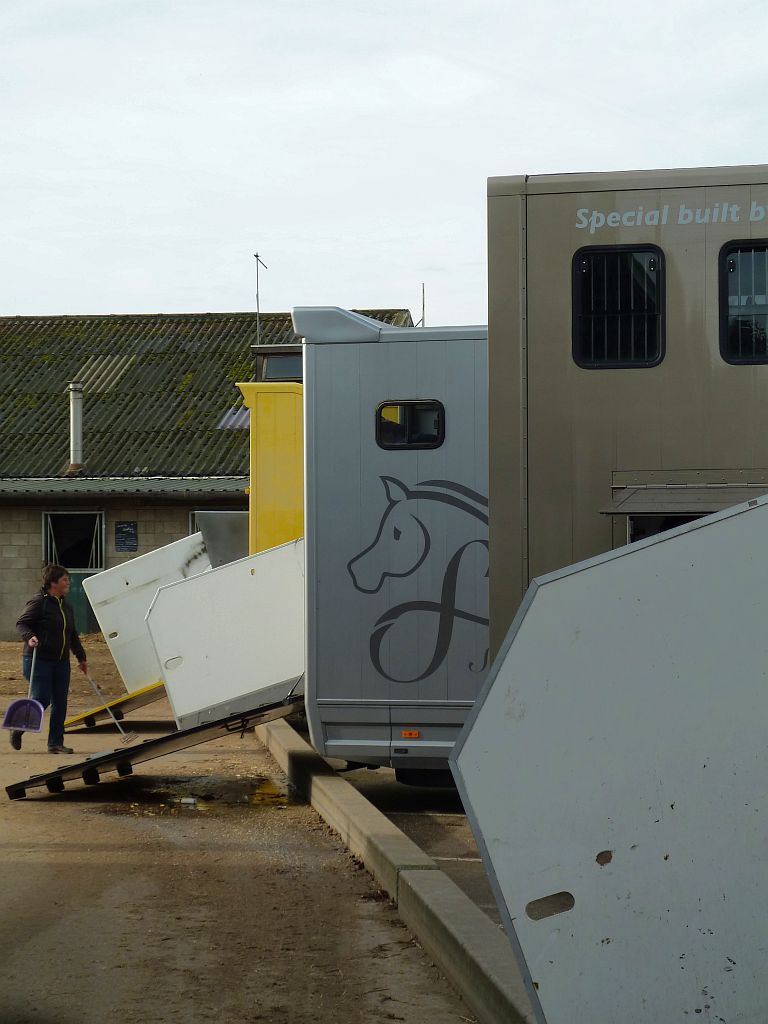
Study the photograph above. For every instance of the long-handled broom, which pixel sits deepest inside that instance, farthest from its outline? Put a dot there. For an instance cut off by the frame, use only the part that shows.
(127, 737)
(25, 714)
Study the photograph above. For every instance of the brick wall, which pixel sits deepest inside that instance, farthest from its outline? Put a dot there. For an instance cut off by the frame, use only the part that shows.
(21, 551)
(20, 562)
(156, 528)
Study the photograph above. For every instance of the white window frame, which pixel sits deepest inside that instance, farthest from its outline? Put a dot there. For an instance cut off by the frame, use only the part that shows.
(98, 543)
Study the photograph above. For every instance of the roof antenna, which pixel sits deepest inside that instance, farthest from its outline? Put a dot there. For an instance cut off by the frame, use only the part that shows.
(259, 260)
(421, 322)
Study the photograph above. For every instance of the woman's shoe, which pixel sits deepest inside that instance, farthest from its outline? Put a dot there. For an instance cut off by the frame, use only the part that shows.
(60, 750)
(16, 735)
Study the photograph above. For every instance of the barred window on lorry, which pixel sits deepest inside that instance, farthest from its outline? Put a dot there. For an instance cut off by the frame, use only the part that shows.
(410, 424)
(618, 307)
(744, 302)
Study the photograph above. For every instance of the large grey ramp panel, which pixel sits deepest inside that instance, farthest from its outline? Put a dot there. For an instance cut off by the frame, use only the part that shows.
(615, 769)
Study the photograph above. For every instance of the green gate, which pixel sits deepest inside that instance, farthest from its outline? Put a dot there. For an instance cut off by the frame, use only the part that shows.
(85, 620)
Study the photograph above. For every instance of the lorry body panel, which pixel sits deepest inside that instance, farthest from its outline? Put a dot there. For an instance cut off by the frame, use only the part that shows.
(396, 538)
(565, 439)
(276, 497)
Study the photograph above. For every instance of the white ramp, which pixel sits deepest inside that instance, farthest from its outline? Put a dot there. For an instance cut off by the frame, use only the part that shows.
(232, 639)
(121, 596)
(615, 770)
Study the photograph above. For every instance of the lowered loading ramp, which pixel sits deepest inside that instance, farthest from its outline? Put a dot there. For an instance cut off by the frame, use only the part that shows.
(123, 760)
(119, 707)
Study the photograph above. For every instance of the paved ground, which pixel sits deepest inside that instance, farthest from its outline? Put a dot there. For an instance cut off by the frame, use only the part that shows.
(197, 890)
(435, 820)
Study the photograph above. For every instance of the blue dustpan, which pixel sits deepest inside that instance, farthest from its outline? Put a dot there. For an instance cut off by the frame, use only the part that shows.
(25, 714)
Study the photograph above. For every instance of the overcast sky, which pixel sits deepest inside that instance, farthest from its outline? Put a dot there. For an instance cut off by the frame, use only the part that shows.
(149, 147)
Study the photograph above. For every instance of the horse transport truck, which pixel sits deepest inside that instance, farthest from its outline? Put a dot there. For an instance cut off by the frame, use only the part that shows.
(396, 526)
(628, 361)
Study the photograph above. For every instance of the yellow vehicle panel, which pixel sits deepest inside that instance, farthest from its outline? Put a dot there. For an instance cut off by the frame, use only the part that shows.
(276, 503)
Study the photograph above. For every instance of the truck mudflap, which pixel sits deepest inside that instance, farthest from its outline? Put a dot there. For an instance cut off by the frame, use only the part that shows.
(119, 707)
(123, 760)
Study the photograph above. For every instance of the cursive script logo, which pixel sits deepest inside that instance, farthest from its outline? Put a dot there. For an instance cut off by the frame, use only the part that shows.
(406, 537)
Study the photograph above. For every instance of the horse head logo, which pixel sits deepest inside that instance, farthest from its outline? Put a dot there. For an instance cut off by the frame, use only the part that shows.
(402, 543)
(400, 546)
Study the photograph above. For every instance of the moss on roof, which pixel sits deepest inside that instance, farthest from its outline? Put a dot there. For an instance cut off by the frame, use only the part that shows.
(156, 388)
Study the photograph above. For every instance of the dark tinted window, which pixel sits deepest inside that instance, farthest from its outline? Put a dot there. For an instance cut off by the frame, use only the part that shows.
(744, 302)
(618, 307)
(410, 424)
(282, 366)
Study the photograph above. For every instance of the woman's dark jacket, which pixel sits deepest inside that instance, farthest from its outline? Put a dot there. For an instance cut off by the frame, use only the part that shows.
(52, 621)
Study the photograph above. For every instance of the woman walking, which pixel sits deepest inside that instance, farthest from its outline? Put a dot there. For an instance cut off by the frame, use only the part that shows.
(48, 624)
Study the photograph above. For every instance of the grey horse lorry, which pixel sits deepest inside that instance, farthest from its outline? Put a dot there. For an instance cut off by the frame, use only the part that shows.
(396, 528)
(628, 361)
(626, 381)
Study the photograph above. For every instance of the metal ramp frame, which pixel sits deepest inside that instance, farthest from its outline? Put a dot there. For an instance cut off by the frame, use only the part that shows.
(119, 707)
(122, 761)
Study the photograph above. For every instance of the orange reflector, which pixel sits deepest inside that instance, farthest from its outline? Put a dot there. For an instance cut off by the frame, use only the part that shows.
(410, 734)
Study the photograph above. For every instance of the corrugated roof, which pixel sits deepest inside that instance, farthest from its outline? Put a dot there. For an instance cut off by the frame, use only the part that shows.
(159, 393)
(117, 487)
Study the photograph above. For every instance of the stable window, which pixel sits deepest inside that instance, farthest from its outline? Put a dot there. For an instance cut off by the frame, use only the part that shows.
(618, 307)
(410, 425)
(744, 302)
(74, 540)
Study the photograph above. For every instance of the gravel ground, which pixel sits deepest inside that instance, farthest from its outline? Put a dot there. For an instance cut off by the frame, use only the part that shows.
(197, 890)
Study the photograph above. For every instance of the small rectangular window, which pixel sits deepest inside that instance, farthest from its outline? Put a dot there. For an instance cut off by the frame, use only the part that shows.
(74, 540)
(410, 425)
(618, 307)
(281, 366)
(744, 302)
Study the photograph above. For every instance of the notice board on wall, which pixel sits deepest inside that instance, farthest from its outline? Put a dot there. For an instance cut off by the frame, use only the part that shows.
(127, 535)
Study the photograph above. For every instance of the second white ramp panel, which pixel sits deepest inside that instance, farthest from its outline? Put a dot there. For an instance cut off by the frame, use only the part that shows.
(232, 639)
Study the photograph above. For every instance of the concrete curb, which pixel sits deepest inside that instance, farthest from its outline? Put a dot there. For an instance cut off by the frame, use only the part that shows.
(469, 948)
(461, 940)
(367, 833)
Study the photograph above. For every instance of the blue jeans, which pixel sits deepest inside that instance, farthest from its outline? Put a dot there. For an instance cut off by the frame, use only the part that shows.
(51, 687)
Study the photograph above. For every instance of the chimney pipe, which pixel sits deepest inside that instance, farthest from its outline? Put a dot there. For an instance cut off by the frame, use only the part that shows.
(76, 464)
